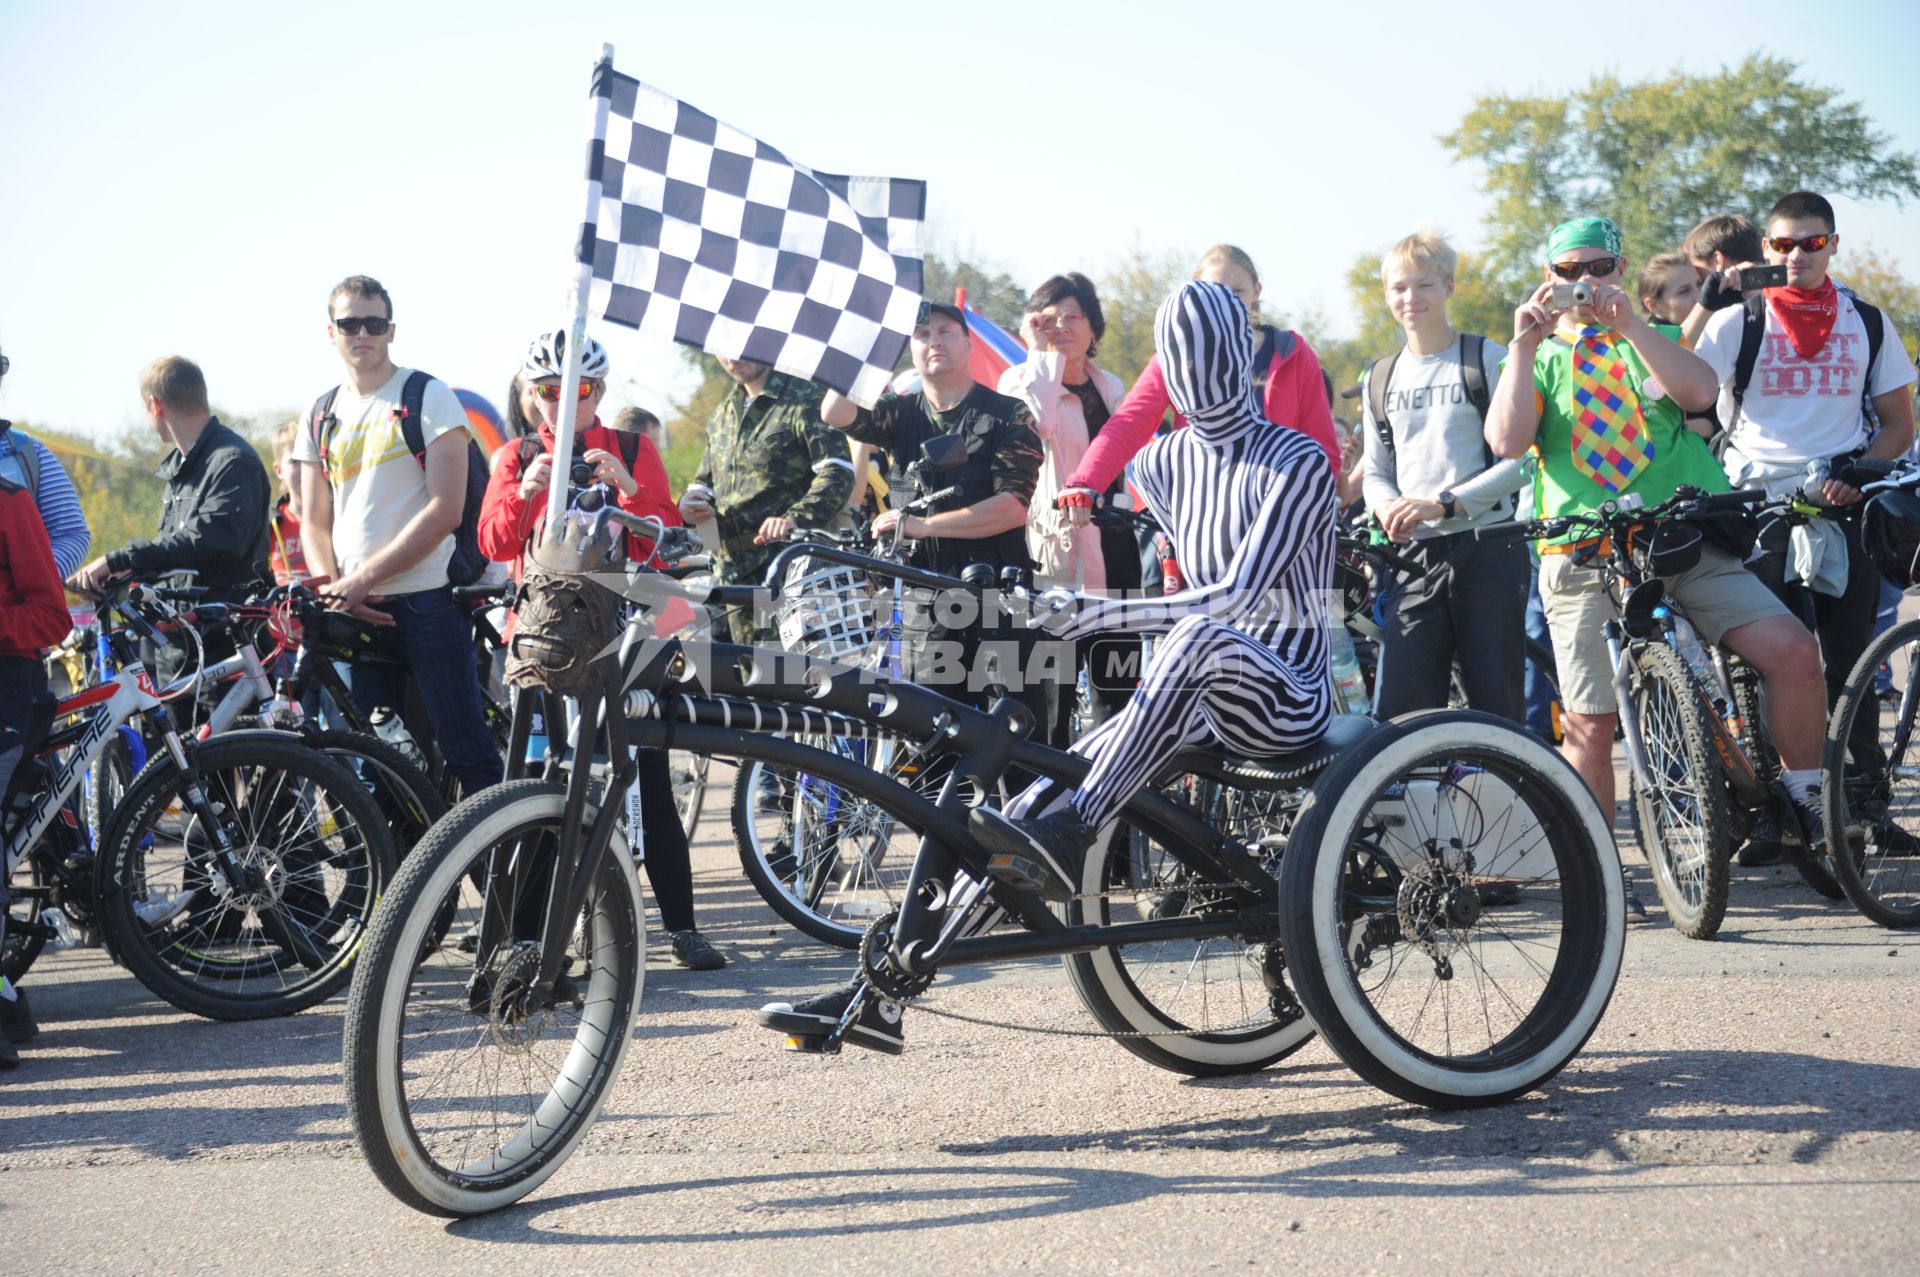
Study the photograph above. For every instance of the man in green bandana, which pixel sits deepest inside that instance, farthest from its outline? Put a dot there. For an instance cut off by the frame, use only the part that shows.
(1605, 410)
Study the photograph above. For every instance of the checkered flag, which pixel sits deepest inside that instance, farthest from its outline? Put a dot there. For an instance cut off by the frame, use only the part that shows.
(710, 237)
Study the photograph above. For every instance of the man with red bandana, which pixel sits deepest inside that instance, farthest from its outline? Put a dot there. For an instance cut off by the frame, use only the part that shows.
(1817, 367)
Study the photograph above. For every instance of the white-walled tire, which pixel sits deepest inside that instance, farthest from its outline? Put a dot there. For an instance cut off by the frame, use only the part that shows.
(1463, 805)
(461, 1109)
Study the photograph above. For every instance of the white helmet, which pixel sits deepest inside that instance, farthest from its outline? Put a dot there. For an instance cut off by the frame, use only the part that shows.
(547, 357)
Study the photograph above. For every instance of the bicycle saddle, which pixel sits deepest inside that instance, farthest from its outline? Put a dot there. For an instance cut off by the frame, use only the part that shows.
(1284, 771)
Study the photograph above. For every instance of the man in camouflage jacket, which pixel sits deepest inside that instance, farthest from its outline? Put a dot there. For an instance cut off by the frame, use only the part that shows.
(771, 466)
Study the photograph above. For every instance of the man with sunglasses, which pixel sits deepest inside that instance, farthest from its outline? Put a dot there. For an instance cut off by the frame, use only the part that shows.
(1605, 407)
(770, 467)
(1799, 367)
(380, 527)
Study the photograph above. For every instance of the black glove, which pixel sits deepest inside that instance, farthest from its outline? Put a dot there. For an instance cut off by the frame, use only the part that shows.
(1715, 295)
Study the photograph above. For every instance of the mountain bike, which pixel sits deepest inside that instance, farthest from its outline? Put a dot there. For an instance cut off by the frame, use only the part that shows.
(1872, 803)
(471, 1077)
(236, 876)
(1703, 770)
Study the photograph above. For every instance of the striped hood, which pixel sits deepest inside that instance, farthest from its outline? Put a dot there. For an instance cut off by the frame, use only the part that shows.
(1200, 332)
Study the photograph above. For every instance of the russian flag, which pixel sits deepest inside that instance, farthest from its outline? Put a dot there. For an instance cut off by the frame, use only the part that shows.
(994, 348)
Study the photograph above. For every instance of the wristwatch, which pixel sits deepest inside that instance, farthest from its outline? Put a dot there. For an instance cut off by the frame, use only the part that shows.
(1448, 506)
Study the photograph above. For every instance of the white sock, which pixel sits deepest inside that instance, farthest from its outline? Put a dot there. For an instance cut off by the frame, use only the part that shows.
(1801, 784)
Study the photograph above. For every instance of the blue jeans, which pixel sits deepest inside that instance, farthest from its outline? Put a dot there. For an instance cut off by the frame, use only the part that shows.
(1883, 618)
(435, 638)
(1539, 691)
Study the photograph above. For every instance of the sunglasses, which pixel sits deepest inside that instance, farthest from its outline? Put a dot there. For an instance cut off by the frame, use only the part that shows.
(551, 394)
(1599, 268)
(1811, 244)
(374, 327)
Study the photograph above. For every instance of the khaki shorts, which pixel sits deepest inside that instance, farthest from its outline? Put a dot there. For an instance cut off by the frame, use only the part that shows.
(1717, 593)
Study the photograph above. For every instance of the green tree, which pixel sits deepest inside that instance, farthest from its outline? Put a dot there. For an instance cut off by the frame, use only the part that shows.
(1131, 289)
(1878, 280)
(1658, 155)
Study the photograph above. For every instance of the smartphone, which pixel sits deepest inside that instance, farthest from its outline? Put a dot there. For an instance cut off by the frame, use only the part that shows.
(1567, 296)
(1754, 277)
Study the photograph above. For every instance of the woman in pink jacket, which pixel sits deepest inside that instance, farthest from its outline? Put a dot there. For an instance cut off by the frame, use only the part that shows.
(1286, 375)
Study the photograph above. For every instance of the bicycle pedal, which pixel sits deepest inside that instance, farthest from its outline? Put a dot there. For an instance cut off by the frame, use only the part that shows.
(808, 1044)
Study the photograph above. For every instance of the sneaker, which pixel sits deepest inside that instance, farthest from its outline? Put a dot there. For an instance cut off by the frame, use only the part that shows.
(1636, 909)
(1890, 839)
(691, 950)
(9, 1058)
(877, 1029)
(16, 1018)
(1045, 855)
(1813, 824)
(768, 796)
(1760, 851)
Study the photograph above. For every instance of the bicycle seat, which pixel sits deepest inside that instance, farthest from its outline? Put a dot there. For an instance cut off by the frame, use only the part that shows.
(1284, 771)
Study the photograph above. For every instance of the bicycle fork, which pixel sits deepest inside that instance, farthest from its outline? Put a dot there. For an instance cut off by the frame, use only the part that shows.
(1618, 653)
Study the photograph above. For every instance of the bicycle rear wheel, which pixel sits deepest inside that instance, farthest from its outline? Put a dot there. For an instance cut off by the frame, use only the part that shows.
(1418, 981)
(315, 853)
(466, 1093)
(1683, 813)
(1872, 805)
(1212, 1007)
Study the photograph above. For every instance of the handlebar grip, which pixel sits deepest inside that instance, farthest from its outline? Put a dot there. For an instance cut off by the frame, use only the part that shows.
(1501, 532)
(1731, 500)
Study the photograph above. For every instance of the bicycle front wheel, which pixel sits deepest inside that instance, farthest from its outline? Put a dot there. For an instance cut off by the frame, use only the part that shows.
(313, 854)
(1683, 813)
(467, 1087)
(1872, 805)
(1452, 910)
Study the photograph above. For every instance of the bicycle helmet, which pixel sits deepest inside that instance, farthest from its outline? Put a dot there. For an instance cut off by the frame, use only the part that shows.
(547, 357)
(1890, 532)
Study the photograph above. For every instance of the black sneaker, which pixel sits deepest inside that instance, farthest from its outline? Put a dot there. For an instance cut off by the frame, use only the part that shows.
(1760, 851)
(1813, 823)
(691, 950)
(16, 1018)
(9, 1058)
(877, 1029)
(1045, 855)
(1636, 909)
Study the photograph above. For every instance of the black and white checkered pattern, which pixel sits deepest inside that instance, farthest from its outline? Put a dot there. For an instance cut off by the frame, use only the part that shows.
(715, 239)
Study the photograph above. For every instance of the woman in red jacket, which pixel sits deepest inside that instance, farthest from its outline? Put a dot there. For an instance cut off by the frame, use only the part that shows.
(516, 506)
(33, 615)
(1286, 374)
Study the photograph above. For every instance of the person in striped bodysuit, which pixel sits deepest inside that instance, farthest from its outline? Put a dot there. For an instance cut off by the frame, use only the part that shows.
(1243, 664)
(1244, 661)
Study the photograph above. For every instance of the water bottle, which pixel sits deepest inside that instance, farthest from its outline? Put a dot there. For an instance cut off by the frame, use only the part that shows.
(388, 727)
(1687, 643)
(1349, 688)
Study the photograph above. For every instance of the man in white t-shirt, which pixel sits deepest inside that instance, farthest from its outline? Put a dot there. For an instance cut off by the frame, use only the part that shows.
(380, 523)
(1805, 400)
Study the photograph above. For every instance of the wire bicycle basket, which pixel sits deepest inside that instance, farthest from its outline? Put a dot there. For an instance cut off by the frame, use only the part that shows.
(826, 611)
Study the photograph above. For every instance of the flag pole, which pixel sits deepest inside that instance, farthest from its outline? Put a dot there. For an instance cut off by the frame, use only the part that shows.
(597, 107)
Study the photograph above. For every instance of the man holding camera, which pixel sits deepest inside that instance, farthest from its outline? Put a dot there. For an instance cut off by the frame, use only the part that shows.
(1806, 370)
(1606, 404)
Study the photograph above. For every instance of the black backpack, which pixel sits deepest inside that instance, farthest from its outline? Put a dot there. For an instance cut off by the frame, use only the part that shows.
(1753, 327)
(467, 563)
(1473, 376)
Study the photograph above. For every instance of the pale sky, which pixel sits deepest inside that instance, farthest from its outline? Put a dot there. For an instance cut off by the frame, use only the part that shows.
(192, 178)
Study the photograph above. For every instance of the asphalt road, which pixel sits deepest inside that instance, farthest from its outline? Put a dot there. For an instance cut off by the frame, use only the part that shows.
(1749, 1104)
